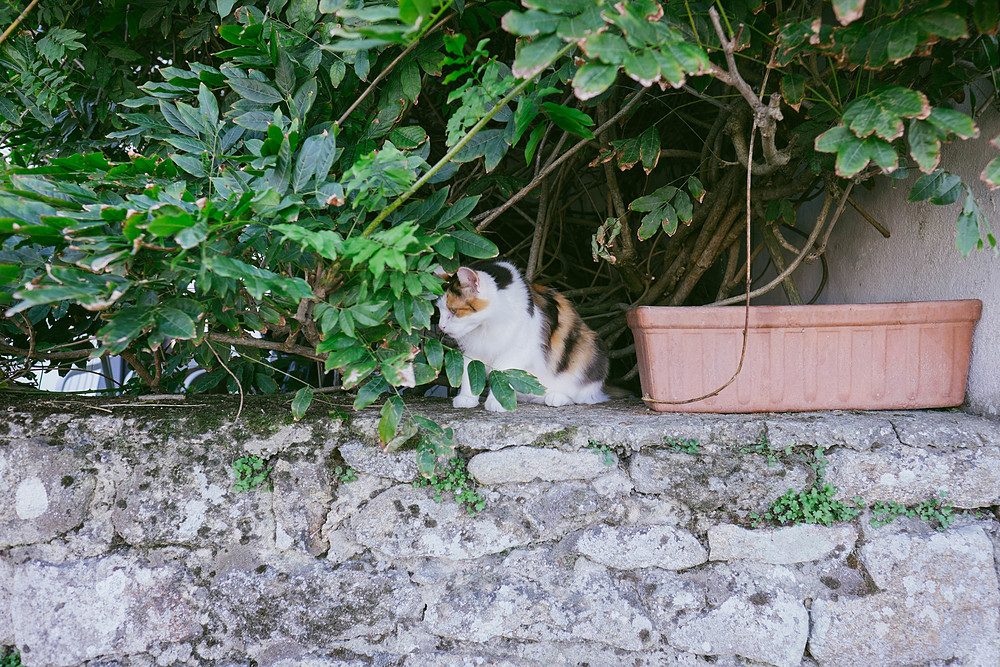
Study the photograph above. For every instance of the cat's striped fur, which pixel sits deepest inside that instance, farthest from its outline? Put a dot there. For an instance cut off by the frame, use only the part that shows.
(497, 318)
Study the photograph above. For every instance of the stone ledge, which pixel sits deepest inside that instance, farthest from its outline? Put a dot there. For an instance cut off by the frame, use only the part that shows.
(131, 524)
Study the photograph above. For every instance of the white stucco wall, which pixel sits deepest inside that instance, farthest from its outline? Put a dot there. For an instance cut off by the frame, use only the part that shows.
(920, 261)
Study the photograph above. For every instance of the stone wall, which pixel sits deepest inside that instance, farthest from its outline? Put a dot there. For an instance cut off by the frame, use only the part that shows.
(122, 541)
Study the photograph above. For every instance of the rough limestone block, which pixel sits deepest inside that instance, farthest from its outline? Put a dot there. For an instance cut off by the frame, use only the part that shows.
(44, 491)
(177, 498)
(552, 510)
(271, 615)
(854, 430)
(535, 595)
(709, 482)
(6, 624)
(400, 466)
(524, 464)
(301, 499)
(591, 605)
(767, 628)
(945, 430)
(908, 475)
(406, 522)
(66, 614)
(780, 546)
(633, 547)
(938, 601)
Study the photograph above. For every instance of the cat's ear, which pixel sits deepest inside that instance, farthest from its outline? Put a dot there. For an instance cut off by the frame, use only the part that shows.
(468, 278)
(441, 273)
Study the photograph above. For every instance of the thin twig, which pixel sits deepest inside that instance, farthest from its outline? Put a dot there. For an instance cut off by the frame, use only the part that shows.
(239, 385)
(300, 350)
(867, 216)
(17, 21)
(384, 73)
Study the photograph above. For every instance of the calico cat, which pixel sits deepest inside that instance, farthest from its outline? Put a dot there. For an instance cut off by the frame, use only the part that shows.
(505, 323)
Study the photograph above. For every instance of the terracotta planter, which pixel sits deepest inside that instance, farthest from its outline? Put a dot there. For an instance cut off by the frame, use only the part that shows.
(856, 356)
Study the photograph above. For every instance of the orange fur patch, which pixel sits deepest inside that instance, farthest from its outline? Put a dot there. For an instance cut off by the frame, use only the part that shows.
(462, 306)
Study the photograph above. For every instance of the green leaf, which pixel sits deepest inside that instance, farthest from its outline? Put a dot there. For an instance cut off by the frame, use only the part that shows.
(355, 373)
(338, 70)
(477, 376)
(189, 164)
(607, 47)
(882, 153)
(569, 119)
(942, 23)
(303, 397)
(925, 144)
(852, 155)
(793, 89)
(955, 122)
(986, 15)
(558, 6)
(370, 392)
(903, 102)
(224, 7)
(502, 391)
(649, 202)
(454, 366)
(865, 116)
(529, 23)
(533, 57)
(524, 382)
(255, 91)
(592, 79)
(848, 11)
(127, 325)
(434, 352)
(588, 22)
(168, 220)
(533, 140)
(408, 138)
(968, 235)
(649, 148)
(695, 188)
(685, 209)
(991, 174)
(390, 415)
(305, 163)
(642, 66)
(175, 323)
(939, 187)
(471, 244)
(900, 40)
(458, 211)
(650, 223)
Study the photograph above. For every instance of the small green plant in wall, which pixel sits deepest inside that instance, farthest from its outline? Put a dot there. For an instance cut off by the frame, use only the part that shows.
(764, 448)
(251, 473)
(814, 504)
(604, 451)
(939, 509)
(345, 474)
(10, 657)
(686, 446)
(454, 481)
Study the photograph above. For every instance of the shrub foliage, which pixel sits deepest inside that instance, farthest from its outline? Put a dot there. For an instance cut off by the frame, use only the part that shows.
(263, 190)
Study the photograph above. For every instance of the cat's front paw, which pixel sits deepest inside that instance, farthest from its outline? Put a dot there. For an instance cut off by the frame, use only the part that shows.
(465, 401)
(557, 400)
(493, 405)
